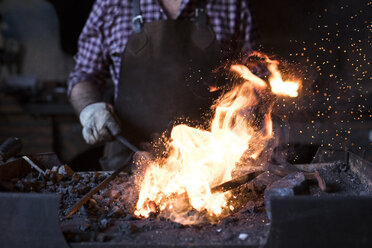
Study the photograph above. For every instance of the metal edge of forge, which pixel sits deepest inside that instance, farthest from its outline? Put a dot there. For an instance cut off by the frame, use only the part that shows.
(30, 220)
(328, 221)
(361, 167)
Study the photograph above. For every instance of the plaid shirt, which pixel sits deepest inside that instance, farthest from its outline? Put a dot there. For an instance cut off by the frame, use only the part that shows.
(108, 28)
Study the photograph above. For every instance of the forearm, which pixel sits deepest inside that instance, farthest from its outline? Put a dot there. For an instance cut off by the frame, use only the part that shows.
(83, 94)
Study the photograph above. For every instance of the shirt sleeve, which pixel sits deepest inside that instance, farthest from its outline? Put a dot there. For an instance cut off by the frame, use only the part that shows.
(91, 61)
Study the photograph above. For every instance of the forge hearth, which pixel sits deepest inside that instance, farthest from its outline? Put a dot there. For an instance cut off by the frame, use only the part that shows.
(302, 211)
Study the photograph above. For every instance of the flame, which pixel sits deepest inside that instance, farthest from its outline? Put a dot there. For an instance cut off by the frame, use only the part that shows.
(278, 86)
(201, 159)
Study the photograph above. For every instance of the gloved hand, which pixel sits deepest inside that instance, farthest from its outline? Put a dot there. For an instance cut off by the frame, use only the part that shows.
(97, 119)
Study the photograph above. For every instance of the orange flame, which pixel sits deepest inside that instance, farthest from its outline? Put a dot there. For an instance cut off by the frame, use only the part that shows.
(201, 159)
(278, 85)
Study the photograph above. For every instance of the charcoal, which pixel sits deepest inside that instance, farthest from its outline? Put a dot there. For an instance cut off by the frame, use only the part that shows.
(102, 237)
(52, 188)
(76, 178)
(92, 204)
(85, 178)
(131, 217)
(249, 207)
(177, 225)
(91, 185)
(82, 189)
(290, 185)
(114, 194)
(65, 171)
(116, 212)
(103, 223)
(259, 206)
(134, 228)
(76, 225)
(228, 220)
(101, 177)
(192, 212)
(152, 216)
(125, 228)
(51, 175)
(70, 190)
(261, 182)
(84, 227)
(29, 178)
(226, 235)
(57, 178)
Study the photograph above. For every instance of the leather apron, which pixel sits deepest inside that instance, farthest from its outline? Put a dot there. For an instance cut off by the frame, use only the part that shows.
(164, 76)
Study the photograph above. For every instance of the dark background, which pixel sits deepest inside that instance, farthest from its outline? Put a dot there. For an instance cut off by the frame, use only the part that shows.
(327, 43)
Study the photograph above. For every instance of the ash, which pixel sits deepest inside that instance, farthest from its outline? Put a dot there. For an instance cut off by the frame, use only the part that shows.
(340, 180)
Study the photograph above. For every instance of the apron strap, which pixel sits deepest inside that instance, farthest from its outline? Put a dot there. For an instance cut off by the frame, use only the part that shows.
(201, 15)
(137, 17)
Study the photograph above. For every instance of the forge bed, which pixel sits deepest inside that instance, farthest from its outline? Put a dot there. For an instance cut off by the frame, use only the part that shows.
(108, 219)
(342, 213)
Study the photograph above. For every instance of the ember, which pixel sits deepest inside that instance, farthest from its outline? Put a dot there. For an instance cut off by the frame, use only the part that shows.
(200, 159)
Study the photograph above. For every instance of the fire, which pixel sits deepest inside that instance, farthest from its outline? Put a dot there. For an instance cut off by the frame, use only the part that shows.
(201, 159)
(278, 86)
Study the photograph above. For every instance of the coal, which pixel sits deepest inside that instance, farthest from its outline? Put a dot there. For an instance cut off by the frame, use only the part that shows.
(249, 207)
(76, 225)
(65, 171)
(264, 180)
(226, 235)
(103, 223)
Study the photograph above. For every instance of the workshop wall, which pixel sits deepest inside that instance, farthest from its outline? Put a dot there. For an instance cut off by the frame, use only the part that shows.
(38, 39)
(34, 66)
(329, 43)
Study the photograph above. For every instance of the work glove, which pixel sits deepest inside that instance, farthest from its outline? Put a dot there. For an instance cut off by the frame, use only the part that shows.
(97, 120)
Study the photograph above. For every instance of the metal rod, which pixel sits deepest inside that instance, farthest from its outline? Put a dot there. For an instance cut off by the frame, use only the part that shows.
(236, 182)
(33, 165)
(100, 186)
(126, 143)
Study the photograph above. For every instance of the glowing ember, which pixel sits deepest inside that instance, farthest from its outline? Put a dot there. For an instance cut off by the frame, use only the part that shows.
(201, 159)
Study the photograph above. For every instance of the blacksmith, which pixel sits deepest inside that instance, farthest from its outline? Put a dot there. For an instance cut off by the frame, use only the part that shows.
(159, 55)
